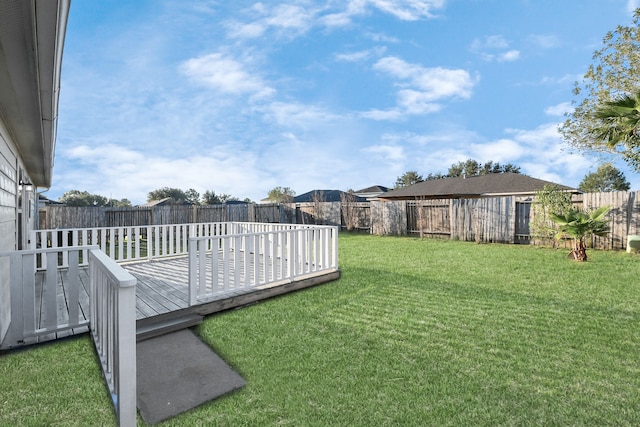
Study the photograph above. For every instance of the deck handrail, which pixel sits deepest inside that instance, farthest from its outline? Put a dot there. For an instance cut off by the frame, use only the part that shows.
(219, 264)
(138, 243)
(113, 328)
(111, 305)
(27, 290)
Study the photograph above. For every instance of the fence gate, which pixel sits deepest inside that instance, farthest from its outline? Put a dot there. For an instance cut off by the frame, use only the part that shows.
(523, 214)
(431, 218)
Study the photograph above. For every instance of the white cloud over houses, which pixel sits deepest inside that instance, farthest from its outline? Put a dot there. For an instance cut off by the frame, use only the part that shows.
(120, 172)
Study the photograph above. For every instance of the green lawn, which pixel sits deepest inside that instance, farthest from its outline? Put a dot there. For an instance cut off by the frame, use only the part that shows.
(417, 332)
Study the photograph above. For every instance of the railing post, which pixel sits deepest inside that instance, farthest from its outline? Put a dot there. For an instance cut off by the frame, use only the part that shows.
(126, 349)
(193, 263)
(293, 250)
(113, 328)
(16, 326)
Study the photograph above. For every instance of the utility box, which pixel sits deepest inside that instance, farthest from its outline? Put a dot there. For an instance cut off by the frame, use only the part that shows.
(633, 243)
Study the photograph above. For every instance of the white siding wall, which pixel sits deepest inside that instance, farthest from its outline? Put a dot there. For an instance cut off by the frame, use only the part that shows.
(8, 219)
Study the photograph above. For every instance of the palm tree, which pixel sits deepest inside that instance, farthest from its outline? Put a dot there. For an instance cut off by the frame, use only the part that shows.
(620, 125)
(580, 224)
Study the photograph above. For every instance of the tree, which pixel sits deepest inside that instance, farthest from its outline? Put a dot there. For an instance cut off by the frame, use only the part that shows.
(407, 179)
(550, 199)
(579, 225)
(211, 198)
(614, 73)
(606, 178)
(510, 167)
(281, 195)
(176, 194)
(192, 197)
(617, 125)
(467, 168)
(78, 198)
(433, 176)
(122, 203)
(472, 167)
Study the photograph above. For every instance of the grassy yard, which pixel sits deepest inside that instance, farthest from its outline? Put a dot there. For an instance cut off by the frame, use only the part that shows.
(417, 332)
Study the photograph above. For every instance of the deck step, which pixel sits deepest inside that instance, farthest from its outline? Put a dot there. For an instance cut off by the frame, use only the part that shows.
(150, 330)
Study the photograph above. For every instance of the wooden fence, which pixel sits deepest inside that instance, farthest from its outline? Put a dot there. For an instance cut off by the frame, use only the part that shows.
(494, 219)
(90, 217)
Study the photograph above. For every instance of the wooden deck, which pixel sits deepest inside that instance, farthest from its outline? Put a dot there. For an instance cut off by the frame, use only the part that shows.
(162, 294)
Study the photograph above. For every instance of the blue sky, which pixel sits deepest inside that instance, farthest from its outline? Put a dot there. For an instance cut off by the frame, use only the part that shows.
(240, 97)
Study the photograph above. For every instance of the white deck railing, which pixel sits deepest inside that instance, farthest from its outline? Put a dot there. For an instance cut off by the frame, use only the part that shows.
(113, 327)
(37, 290)
(35, 297)
(124, 244)
(259, 255)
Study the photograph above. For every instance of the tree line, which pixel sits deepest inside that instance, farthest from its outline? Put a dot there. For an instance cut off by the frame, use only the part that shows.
(175, 196)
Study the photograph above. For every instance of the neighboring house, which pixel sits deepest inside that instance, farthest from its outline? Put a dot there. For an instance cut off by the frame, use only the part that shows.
(167, 201)
(31, 42)
(490, 185)
(372, 193)
(324, 196)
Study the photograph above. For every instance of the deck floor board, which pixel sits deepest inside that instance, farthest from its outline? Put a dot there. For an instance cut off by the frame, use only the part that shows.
(162, 288)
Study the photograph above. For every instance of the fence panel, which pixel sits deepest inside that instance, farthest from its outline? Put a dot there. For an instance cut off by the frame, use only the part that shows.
(268, 213)
(624, 215)
(429, 217)
(489, 219)
(356, 216)
(389, 218)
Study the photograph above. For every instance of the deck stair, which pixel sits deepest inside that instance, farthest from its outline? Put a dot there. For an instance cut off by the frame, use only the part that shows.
(160, 325)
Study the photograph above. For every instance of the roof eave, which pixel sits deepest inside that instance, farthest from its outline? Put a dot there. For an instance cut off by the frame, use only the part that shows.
(31, 44)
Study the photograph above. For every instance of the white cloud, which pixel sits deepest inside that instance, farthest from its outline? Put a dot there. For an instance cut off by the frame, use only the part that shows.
(290, 20)
(224, 74)
(545, 145)
(490, 42)
(559, 110)
(360, 55)
(290, 17)
(287, 20)
(115, 168)
(379, 37)
(297, 115)
(391, 114)
(545, 41)
(406, 10)
(421, 88)
(511, 55)
(632, 5)
(494, 48)
(503, 151)
(562, 80)
(388, 152)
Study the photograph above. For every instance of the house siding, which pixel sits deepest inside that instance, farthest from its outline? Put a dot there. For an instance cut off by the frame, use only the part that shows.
(8, 223)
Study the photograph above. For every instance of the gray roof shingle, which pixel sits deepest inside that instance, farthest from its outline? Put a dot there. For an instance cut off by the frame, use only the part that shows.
(475, 186)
